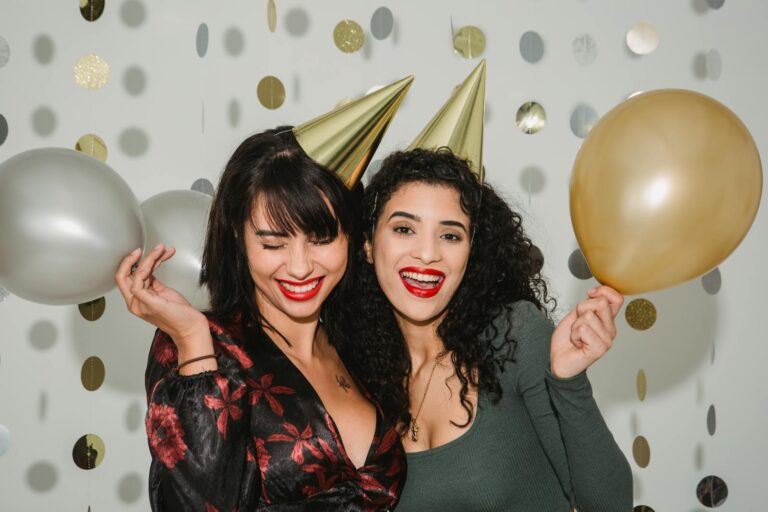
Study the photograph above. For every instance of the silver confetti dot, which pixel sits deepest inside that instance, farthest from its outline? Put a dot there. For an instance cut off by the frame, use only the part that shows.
(711, 420)
(5, 52)
(585, 49)
(43, 49)
(201, 40)
(234, 41)
(712, 281)
(531, 47)
(583, 118)
(382, 23)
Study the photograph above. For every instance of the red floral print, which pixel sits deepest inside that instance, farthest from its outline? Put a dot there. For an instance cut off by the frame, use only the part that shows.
(263, 457)
(236, 352)
(225, 403)
(165, 434)
(301, 442)
(264, 388)
(295, 456)
(164, 349)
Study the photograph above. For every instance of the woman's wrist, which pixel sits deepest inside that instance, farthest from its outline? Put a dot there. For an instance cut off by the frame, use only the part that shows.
(194, 345)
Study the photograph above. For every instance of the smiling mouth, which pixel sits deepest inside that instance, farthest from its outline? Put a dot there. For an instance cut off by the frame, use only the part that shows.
(303, 290)
(422, 282)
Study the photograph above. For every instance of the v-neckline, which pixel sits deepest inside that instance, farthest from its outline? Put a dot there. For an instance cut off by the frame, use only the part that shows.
(336, 432)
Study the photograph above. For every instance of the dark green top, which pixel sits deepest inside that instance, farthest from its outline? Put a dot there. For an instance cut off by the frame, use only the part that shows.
(544, 447)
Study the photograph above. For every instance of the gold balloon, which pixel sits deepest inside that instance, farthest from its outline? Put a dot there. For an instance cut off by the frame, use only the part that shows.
(664, 188)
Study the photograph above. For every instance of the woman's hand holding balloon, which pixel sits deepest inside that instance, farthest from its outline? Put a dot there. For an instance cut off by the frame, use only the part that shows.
(162, 306)
(586, 333)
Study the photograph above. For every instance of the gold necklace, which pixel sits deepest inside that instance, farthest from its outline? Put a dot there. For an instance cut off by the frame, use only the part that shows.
(414, 427)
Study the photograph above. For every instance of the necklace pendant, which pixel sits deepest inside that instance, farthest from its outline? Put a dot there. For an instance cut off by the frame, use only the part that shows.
(414, 431)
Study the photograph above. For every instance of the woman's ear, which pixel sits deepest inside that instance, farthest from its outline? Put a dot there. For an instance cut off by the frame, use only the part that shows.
(368, 251)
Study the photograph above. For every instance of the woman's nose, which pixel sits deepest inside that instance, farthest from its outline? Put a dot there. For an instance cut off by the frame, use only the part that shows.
(299, 265)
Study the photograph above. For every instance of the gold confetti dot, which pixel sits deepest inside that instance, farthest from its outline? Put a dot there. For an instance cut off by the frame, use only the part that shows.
(91, 10)
(92, 373)
(531, 117)
(91, 72)
(348, 36)
(92, 310)
(94, 146)
(641, 314)
(641, 451)
(271, 15)
(469, 42)
(88, 451)
(271, 92)
(642, 385)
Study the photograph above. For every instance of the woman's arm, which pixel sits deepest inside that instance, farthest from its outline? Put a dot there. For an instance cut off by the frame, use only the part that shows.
(197, 429)
(591, 467)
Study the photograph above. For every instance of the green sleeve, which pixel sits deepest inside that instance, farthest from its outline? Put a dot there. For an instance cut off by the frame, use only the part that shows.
(568, 421)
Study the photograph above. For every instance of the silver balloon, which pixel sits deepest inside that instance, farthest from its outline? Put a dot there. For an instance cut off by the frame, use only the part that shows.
(178, 218)
(66, 221)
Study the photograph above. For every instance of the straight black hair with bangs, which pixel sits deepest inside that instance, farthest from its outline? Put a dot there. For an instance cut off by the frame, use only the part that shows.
(298, 195)
(290, 205)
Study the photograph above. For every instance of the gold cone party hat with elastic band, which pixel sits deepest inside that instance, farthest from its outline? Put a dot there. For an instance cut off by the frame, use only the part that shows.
(459, 123)
(345, 139)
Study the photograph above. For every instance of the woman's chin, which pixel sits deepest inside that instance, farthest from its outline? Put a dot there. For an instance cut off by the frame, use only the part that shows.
(419, 314)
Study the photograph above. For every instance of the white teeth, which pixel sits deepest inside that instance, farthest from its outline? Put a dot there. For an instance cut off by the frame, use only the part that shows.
(300, 289)
(424, 278)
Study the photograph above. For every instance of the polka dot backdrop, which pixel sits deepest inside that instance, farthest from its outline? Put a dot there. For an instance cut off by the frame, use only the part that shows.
(164, 91)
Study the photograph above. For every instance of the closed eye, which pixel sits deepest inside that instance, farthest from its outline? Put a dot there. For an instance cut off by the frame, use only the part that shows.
(324, 241)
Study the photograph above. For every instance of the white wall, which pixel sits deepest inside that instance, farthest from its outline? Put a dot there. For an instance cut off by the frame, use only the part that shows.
(42, 348)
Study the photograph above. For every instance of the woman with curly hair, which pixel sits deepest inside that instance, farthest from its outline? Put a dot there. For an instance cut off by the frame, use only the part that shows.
(492, 400)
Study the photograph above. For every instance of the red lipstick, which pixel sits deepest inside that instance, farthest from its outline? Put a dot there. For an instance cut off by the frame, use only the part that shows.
(422, 288)
(300, 296)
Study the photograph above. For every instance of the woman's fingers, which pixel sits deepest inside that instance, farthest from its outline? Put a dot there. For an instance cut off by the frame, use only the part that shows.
(605, 334)
(588, 336)
(123, 274)
(143, 271)
(167, 254)
(615, 299)
(602, 308)
(146, 265)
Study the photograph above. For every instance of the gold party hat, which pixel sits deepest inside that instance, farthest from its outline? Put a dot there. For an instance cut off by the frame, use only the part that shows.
(459, 123)
(345, 139)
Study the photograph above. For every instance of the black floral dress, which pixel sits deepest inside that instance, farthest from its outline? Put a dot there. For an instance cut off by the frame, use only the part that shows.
(254, 435)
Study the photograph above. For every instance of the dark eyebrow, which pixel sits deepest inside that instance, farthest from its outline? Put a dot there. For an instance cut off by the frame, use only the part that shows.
(454, 223)
(411, 216)
(406, 215)
(267, 232)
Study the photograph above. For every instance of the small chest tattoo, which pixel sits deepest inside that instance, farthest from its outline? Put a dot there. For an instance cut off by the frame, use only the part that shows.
(343, 384)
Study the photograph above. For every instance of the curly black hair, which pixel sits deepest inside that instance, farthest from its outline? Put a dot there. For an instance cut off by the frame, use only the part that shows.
(503, 267)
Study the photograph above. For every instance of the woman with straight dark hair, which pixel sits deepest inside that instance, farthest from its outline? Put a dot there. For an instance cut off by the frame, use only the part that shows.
(249, 402)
